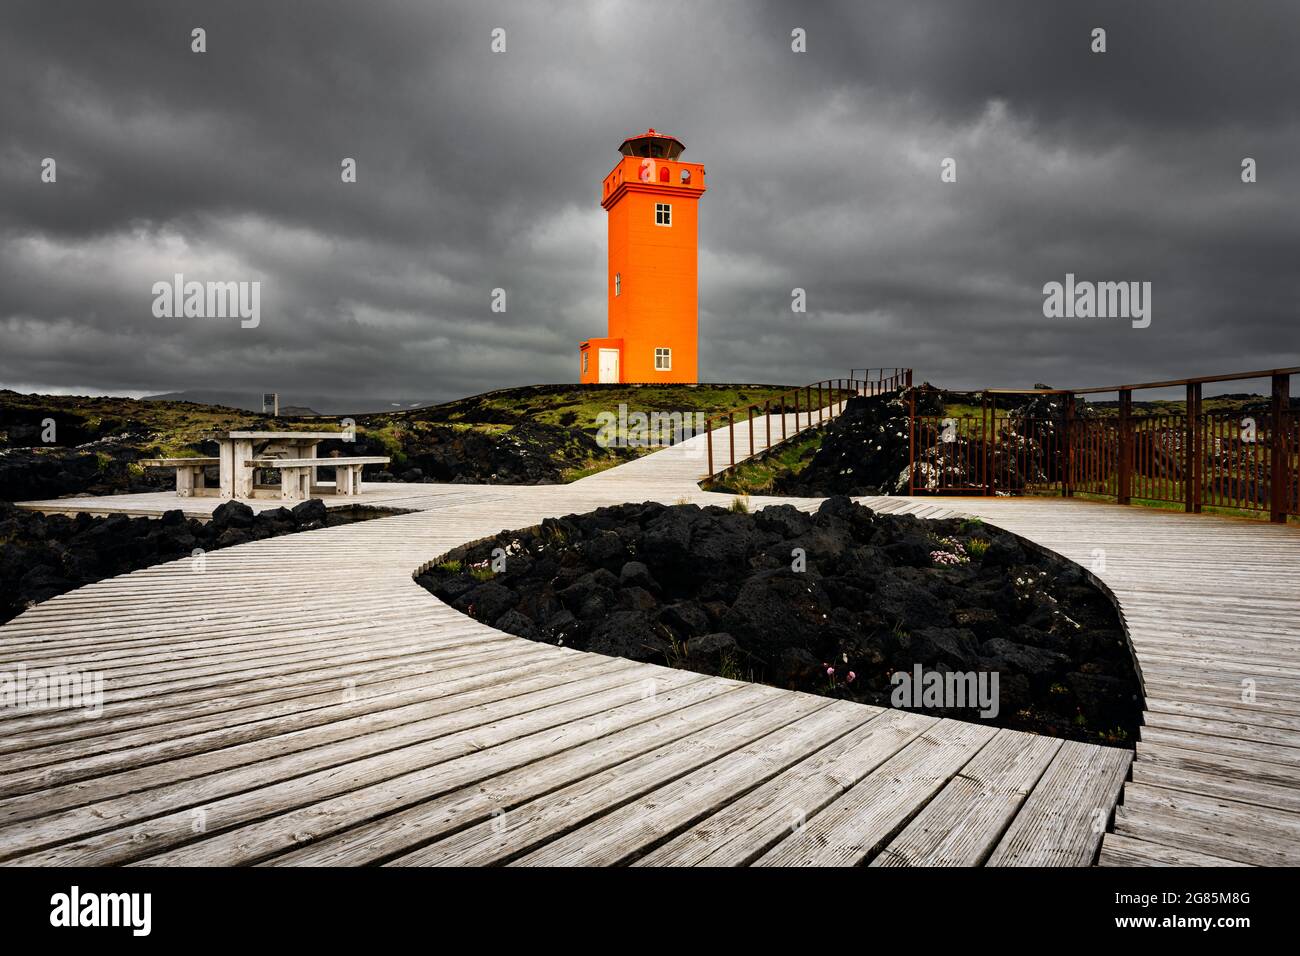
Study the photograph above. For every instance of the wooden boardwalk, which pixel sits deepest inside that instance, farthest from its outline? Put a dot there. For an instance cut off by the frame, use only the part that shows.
(301, 700)
(1212, 607)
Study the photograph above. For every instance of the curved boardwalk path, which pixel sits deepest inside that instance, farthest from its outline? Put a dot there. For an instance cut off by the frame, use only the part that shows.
(1212, 607)
(301, 700)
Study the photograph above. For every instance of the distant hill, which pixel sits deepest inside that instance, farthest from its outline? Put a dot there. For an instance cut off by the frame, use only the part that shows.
(291, 403)
(521, 435)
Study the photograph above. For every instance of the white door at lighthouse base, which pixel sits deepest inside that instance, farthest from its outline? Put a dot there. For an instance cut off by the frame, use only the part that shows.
(609, 365)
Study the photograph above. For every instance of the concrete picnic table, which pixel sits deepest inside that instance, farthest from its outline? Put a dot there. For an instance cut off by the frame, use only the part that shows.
(294, 455)
(236, 449)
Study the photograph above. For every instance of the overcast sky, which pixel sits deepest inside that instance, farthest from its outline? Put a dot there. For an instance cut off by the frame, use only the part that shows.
(479, 170)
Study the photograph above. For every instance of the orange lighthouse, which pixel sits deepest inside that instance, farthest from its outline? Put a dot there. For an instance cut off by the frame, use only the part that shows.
(652, 200)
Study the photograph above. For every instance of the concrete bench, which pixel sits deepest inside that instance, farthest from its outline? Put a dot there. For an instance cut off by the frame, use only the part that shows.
(296, 473)
(190, 480)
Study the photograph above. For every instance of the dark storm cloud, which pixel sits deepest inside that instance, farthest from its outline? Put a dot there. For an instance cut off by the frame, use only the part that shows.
(479, 170)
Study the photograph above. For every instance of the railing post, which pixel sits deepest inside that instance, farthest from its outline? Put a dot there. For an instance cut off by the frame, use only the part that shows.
(767, 421)
(1279, 477)
(1067, 451)
(908, 378)
(1192, 451)
(911, 444)
(987, 427)
(708, 440)
(750, 412)
(1124, 436)
(796, 411)
(782, 418)
(731, 436)
(819, 403)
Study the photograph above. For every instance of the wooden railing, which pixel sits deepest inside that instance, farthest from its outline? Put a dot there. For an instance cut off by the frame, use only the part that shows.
(1194, 458)
(811, 405)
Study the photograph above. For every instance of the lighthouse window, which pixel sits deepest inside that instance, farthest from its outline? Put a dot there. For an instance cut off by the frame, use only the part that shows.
(663, 174)
(663, 360)
(663, 214)
(618, 283)
(686, 176)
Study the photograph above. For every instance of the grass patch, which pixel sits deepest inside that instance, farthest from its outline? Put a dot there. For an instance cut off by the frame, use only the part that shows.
(592, 467)
(580, 407)
(757, 476)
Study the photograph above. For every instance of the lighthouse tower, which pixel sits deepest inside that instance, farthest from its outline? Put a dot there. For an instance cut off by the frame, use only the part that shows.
(652, 199)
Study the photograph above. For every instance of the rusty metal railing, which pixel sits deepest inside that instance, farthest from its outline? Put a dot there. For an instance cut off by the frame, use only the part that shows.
(1195, 458)
(811, 405)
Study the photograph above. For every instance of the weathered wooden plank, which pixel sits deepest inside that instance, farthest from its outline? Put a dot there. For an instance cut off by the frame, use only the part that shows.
(1188, 832)
(961, 825)
(1230, 816)
(1227, 784)
(634, 827)
(1259, 771)
(856, 826)
(526, 825)
(1064, 817)
(748, 827)
(594, 737)
(225, 799)
(1283, 755)
(40, 770)
(1117, 850)
(732, 718)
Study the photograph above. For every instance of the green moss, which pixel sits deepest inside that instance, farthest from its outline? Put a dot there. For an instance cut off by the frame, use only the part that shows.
(757, 476)
(581, 407)
(390, 438)
(590, 468)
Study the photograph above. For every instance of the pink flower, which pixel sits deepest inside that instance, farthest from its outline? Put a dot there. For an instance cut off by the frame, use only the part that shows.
(830, 672)
(852, 676)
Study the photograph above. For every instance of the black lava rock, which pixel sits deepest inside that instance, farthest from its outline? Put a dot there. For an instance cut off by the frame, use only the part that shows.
(42, 556)
(718, 592)
(310, 514)
(232, 514)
